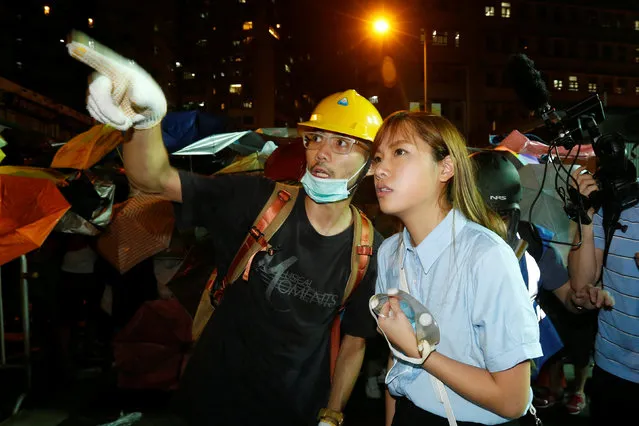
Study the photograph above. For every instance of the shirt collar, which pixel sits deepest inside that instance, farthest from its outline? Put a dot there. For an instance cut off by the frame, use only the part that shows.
(429, 250)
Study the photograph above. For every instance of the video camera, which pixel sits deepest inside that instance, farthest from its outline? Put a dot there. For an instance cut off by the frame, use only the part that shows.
(616, 175)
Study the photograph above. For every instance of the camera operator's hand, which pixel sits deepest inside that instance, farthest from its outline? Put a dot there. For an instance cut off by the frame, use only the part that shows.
(591, 297)
(586, 184)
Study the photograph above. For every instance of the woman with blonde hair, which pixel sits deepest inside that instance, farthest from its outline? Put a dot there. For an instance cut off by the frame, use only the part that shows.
(452, 258)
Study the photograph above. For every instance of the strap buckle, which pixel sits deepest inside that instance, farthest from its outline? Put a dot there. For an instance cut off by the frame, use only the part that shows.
(256, 233)
(365, 250)
(284, 195)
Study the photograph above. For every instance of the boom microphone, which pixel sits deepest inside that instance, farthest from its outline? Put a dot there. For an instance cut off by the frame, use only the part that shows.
(527, 83)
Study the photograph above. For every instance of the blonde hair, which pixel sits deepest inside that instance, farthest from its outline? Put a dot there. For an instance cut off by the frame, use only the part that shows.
(444, 139)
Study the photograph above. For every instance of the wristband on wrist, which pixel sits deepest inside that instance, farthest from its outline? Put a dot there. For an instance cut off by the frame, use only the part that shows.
(333, 417)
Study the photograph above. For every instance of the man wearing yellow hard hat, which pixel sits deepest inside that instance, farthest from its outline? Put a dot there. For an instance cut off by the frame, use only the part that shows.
(265, 356)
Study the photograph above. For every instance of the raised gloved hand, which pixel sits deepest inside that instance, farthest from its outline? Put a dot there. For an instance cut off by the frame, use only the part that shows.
(122, 95)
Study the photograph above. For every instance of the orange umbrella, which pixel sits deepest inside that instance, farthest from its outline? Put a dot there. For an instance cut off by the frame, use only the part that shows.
(35, 172)
(141, 227)
(86, 149)
(29, 209)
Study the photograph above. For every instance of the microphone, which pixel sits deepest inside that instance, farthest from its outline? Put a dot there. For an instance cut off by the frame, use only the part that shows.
(527, 83)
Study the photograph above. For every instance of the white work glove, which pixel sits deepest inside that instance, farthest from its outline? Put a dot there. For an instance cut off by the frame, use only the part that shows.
(122, 95)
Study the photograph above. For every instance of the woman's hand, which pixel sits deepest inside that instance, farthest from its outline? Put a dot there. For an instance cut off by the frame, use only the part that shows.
(398, 328)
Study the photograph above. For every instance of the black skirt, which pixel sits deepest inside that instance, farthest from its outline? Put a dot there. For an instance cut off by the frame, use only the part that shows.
(408, 414)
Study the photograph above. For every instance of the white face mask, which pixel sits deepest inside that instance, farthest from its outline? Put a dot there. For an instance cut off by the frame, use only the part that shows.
(327, 190)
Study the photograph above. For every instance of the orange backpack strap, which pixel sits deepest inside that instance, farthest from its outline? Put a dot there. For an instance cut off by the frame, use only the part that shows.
(360, 256)
(273, 214)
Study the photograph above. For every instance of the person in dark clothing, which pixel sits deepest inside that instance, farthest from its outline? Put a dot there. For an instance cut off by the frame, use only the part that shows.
(263, 358)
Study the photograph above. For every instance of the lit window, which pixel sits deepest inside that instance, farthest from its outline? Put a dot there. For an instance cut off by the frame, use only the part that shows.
(47, 10)
(489, 10)
(573, 84)
(248, 25)
(222, 107)
(592, 87)
(287, 68)
(90, 22)
(457, 39)
(247, 104)
(248, 39)
(636, 90)
(236, 43)
(235, 88)
(374, 99)
(505, 10)
(188, 75)
(636, 25)
(202, 42)
(242, 1)
(558, 84)
(274, 33)
(440, 38)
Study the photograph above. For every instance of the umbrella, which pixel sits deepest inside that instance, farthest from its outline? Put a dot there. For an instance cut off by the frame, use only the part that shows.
(86, 149)
(287, 162)
(548, 210)
(27, 216)
(54, 176)
(251, 163)
(141, 227)
(520, 144)
(151, 351)
(182, 128)
(243, 142)
(91, 201)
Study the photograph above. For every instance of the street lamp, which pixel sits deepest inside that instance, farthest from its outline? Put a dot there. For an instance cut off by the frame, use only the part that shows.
(382, 27)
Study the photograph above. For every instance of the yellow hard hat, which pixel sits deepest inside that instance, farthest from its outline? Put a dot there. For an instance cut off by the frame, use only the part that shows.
(348, 113)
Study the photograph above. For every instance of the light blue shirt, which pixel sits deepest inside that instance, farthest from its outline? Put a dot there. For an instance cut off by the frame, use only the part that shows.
(617, 342)
(470, 280)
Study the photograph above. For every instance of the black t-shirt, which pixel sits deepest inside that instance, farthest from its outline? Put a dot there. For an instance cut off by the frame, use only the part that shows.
(266, 349)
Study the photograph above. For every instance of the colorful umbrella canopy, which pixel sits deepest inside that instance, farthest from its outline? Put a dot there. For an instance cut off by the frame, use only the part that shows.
(86, 149)
(29, 210)
(520, 144)
(35, 172)
(548, 211)
(141, 227)
(151, 351)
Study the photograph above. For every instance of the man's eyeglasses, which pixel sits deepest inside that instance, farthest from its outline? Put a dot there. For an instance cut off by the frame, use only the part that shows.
(339, 144)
